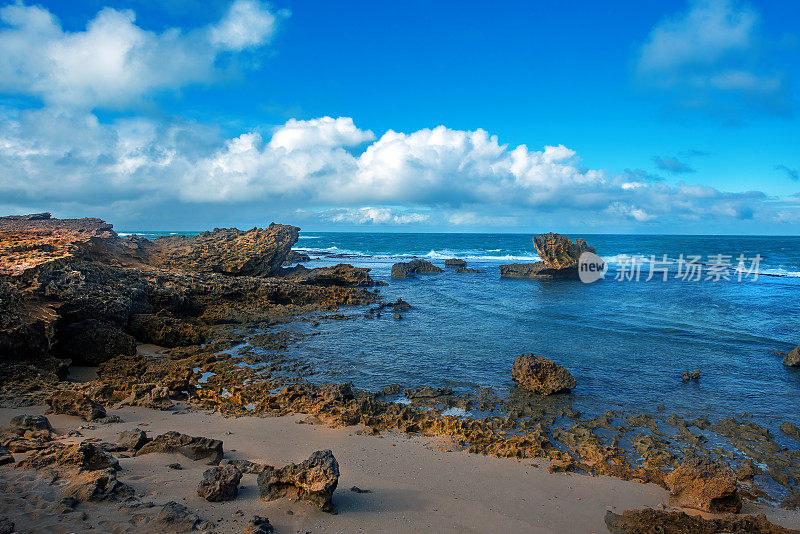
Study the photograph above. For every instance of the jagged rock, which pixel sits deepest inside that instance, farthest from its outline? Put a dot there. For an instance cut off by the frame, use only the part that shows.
(466, 270)
(82, 456)
(194, 448)
(665, 522)
(176, 518)
(455, 262)
(295, 257)
(164, 331)
(69, 402)
(313, 480)
(541, 375)
(29, 423)
(403, 269)
(559, 258)
(133, 440)
(220, 483)
(93, 342)
(400, 306)
(147, 395)
(342, 275)
(704, 483)
(5, 456)
(427, 392)
(691, 375)
(97, 485)
(129, 373)
(245, 466)
(793, 358)
(256, 252)
(258, 525)
(790, 429)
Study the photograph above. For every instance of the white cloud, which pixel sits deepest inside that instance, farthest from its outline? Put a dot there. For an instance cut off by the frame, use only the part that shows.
(322, 132)
(711, 56)
(113, 61)
(368, 215)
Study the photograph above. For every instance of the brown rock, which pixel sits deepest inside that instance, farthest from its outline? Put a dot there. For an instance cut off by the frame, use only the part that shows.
(258, 525)
(793, 358)
(403, 269)
(541, 375)
(98, 485)
(342, 275)
(559, 258)
(220, 483)
(69, 402)
(82, 456)
(790, 429)
(664, 522)
(163, 330)
(455, 262)
(29, 423)
(175, 518)
(313, 480)
(704, 483)
(133, 440)
(194, 448)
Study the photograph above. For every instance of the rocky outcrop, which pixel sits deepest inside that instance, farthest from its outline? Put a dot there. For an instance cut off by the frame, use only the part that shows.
(559, 258)
(790, 429)
(69, 402)
(256, 252)
(5, 456)
(343, 275)
(467, 270)
(162, 330)
(403, 269)
(704, 483)
(194, 448)
(792, 359)
(220, 484)
(313, 480)
(666, 522)
(81, 456)
(455, 262)
(541, 375)
(174, 518)
(295, 257)
(132, 440)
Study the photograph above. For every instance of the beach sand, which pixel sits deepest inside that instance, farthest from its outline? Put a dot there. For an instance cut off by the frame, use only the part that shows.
(414, 483)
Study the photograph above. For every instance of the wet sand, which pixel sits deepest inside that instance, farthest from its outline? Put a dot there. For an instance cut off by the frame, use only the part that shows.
(414, 484)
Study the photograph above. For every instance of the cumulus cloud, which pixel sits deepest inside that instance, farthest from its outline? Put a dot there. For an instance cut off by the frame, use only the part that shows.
(113, 61)
(712, 57)
(368, 215)
(672, 165)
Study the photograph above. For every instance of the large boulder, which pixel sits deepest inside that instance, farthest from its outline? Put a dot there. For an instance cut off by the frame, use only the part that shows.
(256, 252)
(403, 269)
(83, 456)
(668, 522)
(559, 258)
(541, 375)
(70, 402)
(792, 359)
(220, 483)
(313, 480)
(194, 448)
(704, 483)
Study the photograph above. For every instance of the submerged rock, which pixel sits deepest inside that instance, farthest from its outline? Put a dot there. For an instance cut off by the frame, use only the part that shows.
(5, 456)
(313, 480)
(455, 262)
(400, 306)
(541, 375)
(559, 258)
(466, 270)
(75, 403)
(194, 448)
(666, 522)
(704, 483)
(220, 483)
(793, 358)
(691, 375)
(403, 269)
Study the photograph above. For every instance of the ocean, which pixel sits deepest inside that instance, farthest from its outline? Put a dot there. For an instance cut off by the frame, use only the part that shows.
(627, 342)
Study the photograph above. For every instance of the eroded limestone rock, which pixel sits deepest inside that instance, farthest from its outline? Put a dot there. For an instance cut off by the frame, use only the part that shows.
(541, 375)
(314, 480)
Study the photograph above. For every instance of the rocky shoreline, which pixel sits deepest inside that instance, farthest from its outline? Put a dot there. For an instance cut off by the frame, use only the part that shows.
(74, 292)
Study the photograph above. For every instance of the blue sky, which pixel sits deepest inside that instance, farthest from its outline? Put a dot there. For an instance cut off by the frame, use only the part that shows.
(661, 117)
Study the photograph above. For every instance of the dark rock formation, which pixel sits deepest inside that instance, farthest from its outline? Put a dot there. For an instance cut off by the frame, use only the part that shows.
(559, 258)
(194, 448)
(466, 270)
(256, 252)
(258, 525)
(402, 270)
(664, 522)
(5, 456)
(790, 429)
(793, 358)
(455, 262)
(343, 275)
(75, 403)
(400, 306)
(220, 484)
(295, 257)
(162, 330)
(705, 484)
(313, 480)
(174, 518)
(541, 375)
(691, 375)
(21, 424)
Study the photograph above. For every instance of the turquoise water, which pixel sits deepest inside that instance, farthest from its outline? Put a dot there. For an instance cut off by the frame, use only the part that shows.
(626, 342)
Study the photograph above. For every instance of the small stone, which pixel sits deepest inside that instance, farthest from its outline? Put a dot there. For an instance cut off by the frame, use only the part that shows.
(175, 466)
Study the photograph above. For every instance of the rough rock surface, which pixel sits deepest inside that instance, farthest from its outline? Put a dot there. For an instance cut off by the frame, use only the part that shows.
(455, 262)
(258, 525)
(704, 483)
(256, 252)
(313, 480)
(29, 423)
(220, 483)
(82, 456)
(176, 518)
(75, 403)
(403, 269)
(467, 270)
(793, 358)
(541, 375)
(5, 456)
(132, 440)
(649, 521)
(194, 448)
(343, 274)
(559, 258)
(295, 257)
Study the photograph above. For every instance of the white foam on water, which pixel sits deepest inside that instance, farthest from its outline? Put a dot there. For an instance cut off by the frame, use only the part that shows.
(458, 412)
